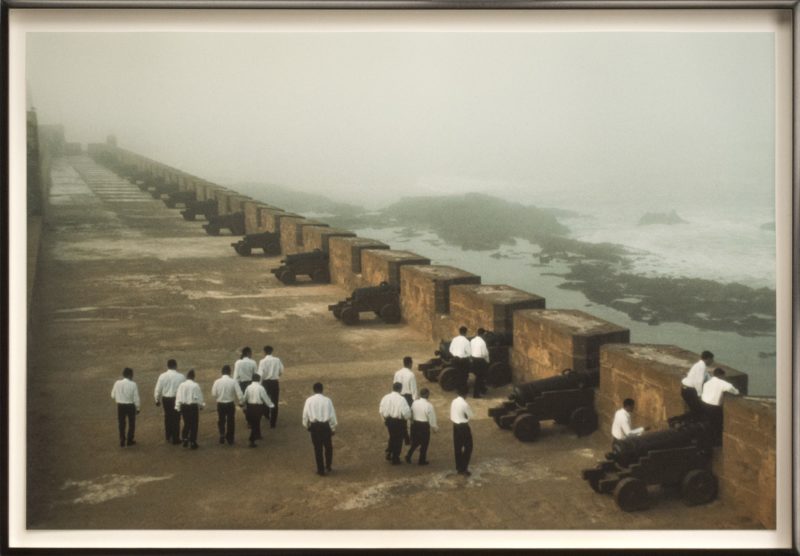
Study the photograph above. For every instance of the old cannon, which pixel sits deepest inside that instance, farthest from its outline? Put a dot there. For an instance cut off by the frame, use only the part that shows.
(314, 264)
(175, 197)
(383, 300)
(270, 242)
(678, 457)
(233, 221)
(163, 188)
(207, 208)
(451, 372)
(566, 398)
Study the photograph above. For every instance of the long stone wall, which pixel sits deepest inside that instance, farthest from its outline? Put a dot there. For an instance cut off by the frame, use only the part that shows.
(436, 300)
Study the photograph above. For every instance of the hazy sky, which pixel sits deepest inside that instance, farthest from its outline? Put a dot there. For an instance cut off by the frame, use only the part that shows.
(378, 116)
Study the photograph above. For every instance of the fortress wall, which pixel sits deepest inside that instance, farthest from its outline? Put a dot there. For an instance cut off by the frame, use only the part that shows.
(345, 260)
(318, 237)
(436, 300)
(746, 464)
(547, 341)
(425, 295)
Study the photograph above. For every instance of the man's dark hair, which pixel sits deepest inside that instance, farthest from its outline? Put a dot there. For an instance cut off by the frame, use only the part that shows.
(172, 364)
(628, 403)
(397, 386)
(719, 372)
(190, 374)
(247, 352)
(481, 332)
(462, 390)
(317, 387)
(226, 369)
(127, 372)
(268, 350)
(424, 393)
(706, 355)
(407, 361)
(463, 330)
(256, 377)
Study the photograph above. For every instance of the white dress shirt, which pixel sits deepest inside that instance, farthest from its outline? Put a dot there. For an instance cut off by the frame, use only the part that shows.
(226, 390)
(715, 388)
(167, 384)
(621, 428)
(422, 411)
(126, 391)
(270, 368)
(406, 377)
(394, 405)
(460, 411)
(244, 369)
(255, 394)
(478, 349)
(459, 346)
(189, 392)
(319, 409)
(696, 376)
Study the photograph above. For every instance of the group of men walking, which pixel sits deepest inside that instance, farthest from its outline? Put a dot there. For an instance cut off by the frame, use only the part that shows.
(471, 355)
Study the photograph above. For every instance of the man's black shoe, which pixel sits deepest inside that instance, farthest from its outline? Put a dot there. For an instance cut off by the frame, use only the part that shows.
(131, 442)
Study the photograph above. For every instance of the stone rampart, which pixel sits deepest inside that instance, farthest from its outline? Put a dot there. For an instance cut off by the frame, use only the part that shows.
(435, 300)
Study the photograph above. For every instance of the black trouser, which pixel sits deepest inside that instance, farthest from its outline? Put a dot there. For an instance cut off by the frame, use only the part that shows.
(191, 416)
(253, 414)
(420, 437)
(226, 422)
(397, 432)
(273, 388)
(172, 420)
(713, 413)
(321, 438)
(126, 411)
(479, 367)
(410, 399)
(693, 402)
(462, 444)
(243, 384)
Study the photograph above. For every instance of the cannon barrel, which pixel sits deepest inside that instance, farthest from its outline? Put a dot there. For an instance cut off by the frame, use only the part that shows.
(568, 380)
(631, 449)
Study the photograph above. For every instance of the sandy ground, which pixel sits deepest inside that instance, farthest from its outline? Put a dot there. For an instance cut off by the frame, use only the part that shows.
(124, 281)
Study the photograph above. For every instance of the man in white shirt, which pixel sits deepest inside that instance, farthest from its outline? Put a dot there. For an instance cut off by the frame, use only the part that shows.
(228, 393)
(459, 345)
(423, 419)
(319, 418)
(270, 369)
(166, 389)
(126, 393)
(480, 362)
(255, 400)
(406, 378)
(621, 427)
(395, 412)
(189, 401)
(244, 369)
(713, 393)
(460, 414)
(692, 383)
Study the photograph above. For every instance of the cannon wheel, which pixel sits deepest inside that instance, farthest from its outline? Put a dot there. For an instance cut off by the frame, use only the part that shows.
(187, 215)
(594, 482)
(429, 374)
(243, 250)
(450, 378)
(526, 427)
(320, 276)
(169, 203)
(502, 422)
(499, 374)
(390, 313)
(212, 229)
(349, 316)
(699, 486)
(287, 277)
(337, 311)
(631, 494)
(583, 421)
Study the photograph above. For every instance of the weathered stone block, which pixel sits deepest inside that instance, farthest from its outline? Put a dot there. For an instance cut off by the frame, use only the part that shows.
(270, 218)
(489, 306)
(548, 341)
(292, 233)
(383, 265)
(345, 259)
(236, 202)
(318, 237)
(425, 294)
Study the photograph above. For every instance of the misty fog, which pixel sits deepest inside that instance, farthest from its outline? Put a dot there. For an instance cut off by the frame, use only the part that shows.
(368, 118)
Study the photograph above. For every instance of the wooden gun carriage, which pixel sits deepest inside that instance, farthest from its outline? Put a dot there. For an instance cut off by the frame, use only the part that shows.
(567, 398)
(233, 221)
(451, 372)
(383, 300)
(314, 264)
(269, 242)
(207, 208)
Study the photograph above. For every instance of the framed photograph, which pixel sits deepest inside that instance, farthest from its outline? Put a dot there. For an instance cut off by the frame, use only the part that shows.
(570, 225)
